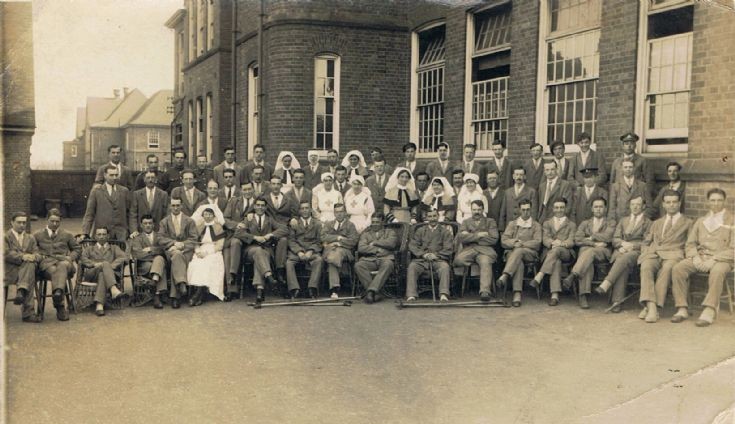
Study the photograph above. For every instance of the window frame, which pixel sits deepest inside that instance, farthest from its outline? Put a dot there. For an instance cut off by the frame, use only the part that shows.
(73, 151)
(191, 130)
(335, 97)
(210, 24)
(157, 138)
(253, 109)
(199, 133)
(209, 126)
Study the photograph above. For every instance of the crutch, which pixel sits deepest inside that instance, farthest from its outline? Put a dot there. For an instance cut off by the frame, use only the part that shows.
(433, 288)
(620, 302)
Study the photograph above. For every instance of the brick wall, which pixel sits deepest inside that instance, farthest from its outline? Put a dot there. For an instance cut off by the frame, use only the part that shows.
(72, 163)
(58, 184)
(16, 149)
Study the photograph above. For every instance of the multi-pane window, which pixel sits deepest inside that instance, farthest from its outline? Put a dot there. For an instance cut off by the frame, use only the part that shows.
(200, 126)
(326, 102)
(668, 68)
(430, 74)
(572, 69)
(192, 131)
(490, 73)
(180, 64)
(210, 24)
(202, 26)
(193, 28)
(253, 105)
(209, 127)
(179, 136)
(153, 139)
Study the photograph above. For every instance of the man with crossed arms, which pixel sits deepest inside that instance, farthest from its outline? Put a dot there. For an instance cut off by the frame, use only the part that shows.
(478, 235)
(376, 249)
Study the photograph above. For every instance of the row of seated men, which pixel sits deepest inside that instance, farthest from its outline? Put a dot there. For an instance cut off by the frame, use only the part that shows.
(671, 248)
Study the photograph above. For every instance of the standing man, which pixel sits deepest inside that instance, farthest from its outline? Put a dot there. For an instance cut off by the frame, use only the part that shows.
(409, 159)
(431, 246)
(229, 189)
(514, 195)
(495, 196)
(585, 194)
(213, 198)
(173, 173)
(662, 248)
(298, 193)
(558, 240)
(149, 200)
(675, 183)
(332, 161)
(161, 177)
(710, 246)
(376, 184)
(101, 262)
(150, 257)
(202, 174)
(235, 215)
(376, 155)
(593, 238)
(304, 246)
(190, 196)
(470, 165)
(586, 158)
(562, 164)
(641, 168)
(58, 250)
(626, 242)
(521, 239)
(313, 172)
(21, 255)
(260, 187)
(241, 174)
(534, 166)
(422, 184)
(441, 166)
(124, 174)
(178, 235)
(376, 252)
(339, 238)
(258, 160)
(625, 188)
(477, 236)
(501, 164)
(108, 206)
(552, 189)
(340, 180)
(457, 182)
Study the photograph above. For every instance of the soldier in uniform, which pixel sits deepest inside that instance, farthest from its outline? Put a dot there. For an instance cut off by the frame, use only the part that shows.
(431, 246)
(478, 235)
(376, 254)
(521, 239)
(339, 238)
(304, 246)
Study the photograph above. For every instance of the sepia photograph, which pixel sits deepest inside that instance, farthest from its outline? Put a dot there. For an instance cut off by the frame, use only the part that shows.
(254, 211)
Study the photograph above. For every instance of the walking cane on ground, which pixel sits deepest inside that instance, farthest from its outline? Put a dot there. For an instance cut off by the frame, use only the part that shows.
(431, 272)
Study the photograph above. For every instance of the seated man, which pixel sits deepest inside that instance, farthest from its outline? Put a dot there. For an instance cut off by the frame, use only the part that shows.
(593, 238)
(709, 249)
(339, 238)
(58, 250)
(235, 218)
(662, 248)
(376, 250)
(431, 246)
(626, 242)
(259, 235)
(279, 208)
(585, 194)
(304, 246)
(178, 235)
(150, 257)
(478, 235)
(558, 240)
(521, 239)
(20, 264)
(101, 261)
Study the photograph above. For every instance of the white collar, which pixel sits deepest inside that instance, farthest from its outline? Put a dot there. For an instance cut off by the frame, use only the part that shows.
(527, 223)
(560, 221)
(230, 165)
(713, 221)
(101, 246)
(673, 218)
(553, 181)
(518, 190)
(50, 231)
(629, 180)
(109, 187)
(676, 185)
(17, 235)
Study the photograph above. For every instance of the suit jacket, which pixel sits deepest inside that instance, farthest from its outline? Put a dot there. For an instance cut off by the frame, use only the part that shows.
(313, 178)
(477, 169)
(505, 173)
(642, 170)
(565, 233)
(510, 209)
(594, 160)
(377, 191)
(534, 174)
(604, 234)
(265, 188)
(113, 255)
(140, 207)
(620, 196)
(240, 175)
(495, 206)
(563, 189)
(671, 246)
(236, 191)
(141, 242)
(656, 210)
(187, 207)
(252, 229)
(296, 200)
(439, 241)
(64, 244)
(347, 231)
(434, 169)
(720, 243)
(633, 235)
(302, 238)
(530, 238)
(387, 169)
(581, 208)
(161, 180)
(14, 253)
(345, 187)
(173, 178)
(415, 169)
(125, 179)
(248, 169)
(235, 211)
(201, 178)
(187, 233)
(468, 235)
(108, 211)
(283, 212)
(384, 242)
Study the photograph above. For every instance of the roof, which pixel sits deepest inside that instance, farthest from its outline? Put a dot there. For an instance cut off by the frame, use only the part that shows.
(99, 108)
(176, 18)
(124, 111)
(155, 111)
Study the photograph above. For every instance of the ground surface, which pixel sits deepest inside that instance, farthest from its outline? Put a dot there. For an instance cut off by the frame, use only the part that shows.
(229, 363)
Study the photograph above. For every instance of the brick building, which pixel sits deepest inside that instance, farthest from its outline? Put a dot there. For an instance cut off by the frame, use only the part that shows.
(17, 106)
(351, 75)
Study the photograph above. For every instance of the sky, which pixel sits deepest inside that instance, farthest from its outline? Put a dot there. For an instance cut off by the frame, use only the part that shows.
(88, 48)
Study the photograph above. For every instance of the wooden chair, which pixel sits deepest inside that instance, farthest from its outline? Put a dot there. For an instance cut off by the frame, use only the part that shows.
(393, 284)
(700, 279)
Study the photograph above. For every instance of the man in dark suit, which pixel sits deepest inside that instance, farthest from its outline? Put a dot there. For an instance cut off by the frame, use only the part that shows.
(161, 177)
(58, 250)
(235, 219)
(146, 250)
(422, 184)
(108, 207)
(563, 166)
(514, 195)
(376, 184)
(202, 173)
(304, 246)
(642, 170)
(442, 166)
(477, 236)
(313, 171)
(229, 189)
(552, 188)
(102, 263)
(21, 256)
(213, 198)
(261, 187)
(190, 196)
(409, 160)
(586, 158)
(376, 248)
(625, 188)
(675, 183)
(178, 235)
(298, 193)
(258, 160)
(150, 200)
(495, 196)
(332, 162)
(376, 154)
(173, 173)
(585, 194)
(534, 166)
(470, 165)
(124, 174)
(241, 174)
(339, 238)
(341, 183)
(501, 164)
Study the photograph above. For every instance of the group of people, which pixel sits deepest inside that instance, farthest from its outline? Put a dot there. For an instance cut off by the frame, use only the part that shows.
(553, 213)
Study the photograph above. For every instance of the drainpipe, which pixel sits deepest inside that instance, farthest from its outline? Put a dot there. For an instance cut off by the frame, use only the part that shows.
(261, 72)
(233, 88)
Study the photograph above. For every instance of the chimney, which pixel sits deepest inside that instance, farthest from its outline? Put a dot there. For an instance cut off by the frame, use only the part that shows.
(116, 92)
(126, 90)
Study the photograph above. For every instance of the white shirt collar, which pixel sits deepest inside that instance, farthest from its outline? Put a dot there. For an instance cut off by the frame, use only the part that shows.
(675, 185)
(50, 231)
(518, 190)
(17, 235)
(629, 180)
(584, 155)
(528, 223)
(673, 218)
(560, 221)
(552, 181)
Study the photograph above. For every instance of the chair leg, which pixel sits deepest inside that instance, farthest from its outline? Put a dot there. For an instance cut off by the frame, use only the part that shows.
(69, 298)
(464, 281)
(5, 300)
(41, 297)
(729, 298)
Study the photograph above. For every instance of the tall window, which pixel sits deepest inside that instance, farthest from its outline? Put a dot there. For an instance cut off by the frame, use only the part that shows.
(488, 65)
(193, 29)
(326, 102)
(209, 127)
(665, 68)
(180, 64)
(201, 26)
(153, 139)
(427, 86)
(192, 132)
(210, 24)
(200, 127)
(73, 151)
(179, 136)
(570, 50)
(253, 107)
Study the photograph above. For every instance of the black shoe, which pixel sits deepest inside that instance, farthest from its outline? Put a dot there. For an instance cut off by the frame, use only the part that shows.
(294, 293)
(312, 292)
(195, 299)
(485, 296)
(271, 282)
(32, 318)
(20, 297)
(569, 280)
(583, 301)
(259, 295)
(61, 313)
(227, 298)
(370, 297)
(182, 289)
(175, 303)
(157, 301)
(58, 298)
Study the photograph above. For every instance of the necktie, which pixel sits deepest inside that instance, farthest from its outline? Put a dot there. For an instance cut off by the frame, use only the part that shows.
(549, 184)
(667, 225)
(467, 167)
(260, 222)
(229, 193)
(150, 197)
(631, 224)
(246, 205)
(339, 185)
(339, 226)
